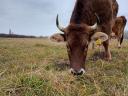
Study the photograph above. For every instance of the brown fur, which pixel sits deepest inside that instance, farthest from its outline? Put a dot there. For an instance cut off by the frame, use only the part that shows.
(115, 8)
(84, 13)
(118, 28)
(78, 32)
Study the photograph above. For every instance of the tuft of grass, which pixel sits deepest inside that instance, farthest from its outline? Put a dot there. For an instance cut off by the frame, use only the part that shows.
(38, 67)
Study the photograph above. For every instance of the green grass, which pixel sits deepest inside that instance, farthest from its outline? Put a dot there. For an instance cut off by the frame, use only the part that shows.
(38, 67)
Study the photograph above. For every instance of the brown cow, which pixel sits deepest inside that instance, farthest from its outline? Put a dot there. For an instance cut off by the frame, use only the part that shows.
(83, 26)
(118, 29)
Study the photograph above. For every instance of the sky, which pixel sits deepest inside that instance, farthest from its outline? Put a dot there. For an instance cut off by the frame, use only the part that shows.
(37, 17)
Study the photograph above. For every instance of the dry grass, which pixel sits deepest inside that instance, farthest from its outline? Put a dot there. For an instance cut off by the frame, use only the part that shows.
(38, 67)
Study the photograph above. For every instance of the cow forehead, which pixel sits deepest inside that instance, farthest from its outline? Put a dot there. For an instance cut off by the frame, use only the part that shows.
(79, 35)
(77, 38)
(77, 27)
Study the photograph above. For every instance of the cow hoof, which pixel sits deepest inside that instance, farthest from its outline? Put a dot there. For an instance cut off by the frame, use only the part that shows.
(108, 57)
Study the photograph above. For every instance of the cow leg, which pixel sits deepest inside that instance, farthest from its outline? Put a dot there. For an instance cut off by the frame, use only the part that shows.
(120, 40)
(107, 53)
(107, 29)
(119, 45)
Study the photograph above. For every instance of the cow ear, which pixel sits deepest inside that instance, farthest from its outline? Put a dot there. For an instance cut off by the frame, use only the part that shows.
(99, 37)
(58, 37)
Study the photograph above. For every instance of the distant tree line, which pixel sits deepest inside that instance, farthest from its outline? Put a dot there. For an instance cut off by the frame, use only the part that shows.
(15, 36)
(10, 35)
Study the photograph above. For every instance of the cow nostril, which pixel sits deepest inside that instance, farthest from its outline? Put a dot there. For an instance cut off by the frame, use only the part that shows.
(80, 72)
(72, 71)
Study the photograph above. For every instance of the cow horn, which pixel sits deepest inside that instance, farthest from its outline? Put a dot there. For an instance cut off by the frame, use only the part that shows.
(96, 24)
(58, 26)
(93, 27)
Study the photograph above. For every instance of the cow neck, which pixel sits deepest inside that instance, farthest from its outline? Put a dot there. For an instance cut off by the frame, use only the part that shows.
(82, 13)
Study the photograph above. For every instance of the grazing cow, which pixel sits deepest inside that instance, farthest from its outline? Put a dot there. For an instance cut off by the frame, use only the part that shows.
(83, 27)
(118, 29)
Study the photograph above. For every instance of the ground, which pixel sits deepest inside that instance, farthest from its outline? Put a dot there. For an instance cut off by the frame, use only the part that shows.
(39, 67)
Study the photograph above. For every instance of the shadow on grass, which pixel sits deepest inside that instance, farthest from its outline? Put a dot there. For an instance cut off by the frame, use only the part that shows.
(96, 56)
(58, 65)
(100, 55)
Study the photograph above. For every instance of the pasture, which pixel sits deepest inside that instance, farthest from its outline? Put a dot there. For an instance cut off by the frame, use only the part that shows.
(38, 67)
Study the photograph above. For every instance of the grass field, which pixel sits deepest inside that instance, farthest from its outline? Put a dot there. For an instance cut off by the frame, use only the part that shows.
(38, 67)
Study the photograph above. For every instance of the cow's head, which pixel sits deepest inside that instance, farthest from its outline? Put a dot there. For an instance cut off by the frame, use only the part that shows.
(77, 38)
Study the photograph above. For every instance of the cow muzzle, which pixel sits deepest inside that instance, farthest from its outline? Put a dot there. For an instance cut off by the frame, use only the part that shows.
(77, 72)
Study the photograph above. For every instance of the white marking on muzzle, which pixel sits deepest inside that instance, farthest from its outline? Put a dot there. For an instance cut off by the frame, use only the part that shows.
(73, 71)
(82, 70)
